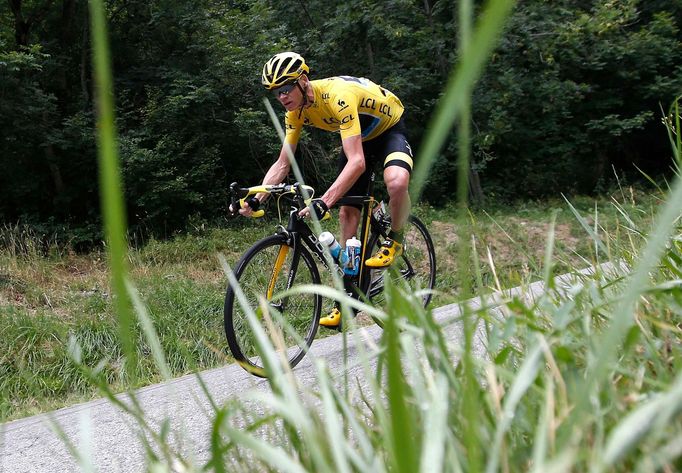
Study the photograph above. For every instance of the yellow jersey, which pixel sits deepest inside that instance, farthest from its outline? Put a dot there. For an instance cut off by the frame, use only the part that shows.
(348, 105)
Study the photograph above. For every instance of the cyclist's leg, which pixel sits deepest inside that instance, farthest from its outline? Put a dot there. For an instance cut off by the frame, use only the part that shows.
(349, 219)
(398, 162)
(349, 215)
(397, 180)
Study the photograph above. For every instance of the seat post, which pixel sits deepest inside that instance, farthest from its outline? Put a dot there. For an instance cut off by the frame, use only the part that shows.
(370, 185)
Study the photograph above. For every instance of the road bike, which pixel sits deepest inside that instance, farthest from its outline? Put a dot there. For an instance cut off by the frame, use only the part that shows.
(294, 256)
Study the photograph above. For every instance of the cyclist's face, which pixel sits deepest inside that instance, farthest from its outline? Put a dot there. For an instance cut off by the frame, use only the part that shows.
(289, 97)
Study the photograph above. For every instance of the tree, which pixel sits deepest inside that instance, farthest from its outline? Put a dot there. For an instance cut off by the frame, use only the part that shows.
(571, 92)
(573, 89)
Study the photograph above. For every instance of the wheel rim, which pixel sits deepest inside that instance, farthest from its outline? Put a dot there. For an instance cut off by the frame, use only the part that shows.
(288, 322)
(416, 266)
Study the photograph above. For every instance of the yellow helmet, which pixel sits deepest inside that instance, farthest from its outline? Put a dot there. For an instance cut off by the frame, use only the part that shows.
(283, 68)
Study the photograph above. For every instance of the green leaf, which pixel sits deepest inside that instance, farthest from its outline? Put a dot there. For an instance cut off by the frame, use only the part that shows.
(502, 356)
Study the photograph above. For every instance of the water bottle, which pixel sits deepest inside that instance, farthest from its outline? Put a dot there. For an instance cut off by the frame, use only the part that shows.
(353, 252)
(328, 240)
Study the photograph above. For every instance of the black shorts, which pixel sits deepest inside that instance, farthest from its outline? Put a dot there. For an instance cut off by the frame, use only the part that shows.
(391, 148)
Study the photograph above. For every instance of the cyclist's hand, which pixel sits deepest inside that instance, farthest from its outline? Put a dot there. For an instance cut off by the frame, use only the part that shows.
(317, 206)
(249, 206)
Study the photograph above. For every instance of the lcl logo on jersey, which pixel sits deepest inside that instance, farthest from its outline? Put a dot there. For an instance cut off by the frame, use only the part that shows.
(368, 103)
(325, 96)
(342, 104)
(336, 121)
(385, 109)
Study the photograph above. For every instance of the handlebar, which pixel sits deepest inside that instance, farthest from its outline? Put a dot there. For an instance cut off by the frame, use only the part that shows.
(301, 194)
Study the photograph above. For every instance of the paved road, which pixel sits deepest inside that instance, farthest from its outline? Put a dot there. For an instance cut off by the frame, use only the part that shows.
(31, 444)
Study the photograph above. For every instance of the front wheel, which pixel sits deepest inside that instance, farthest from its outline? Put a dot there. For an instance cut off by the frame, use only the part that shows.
(268, 268)
(416, 266)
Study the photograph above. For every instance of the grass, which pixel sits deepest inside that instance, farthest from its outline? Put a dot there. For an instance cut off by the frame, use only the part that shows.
(583, 377)
(47, 298)
(528, 386)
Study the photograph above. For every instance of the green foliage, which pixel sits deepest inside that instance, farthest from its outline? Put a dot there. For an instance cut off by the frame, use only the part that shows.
(572, 90)
(27, 115)
(574, 378)
(36, 370)
(35, 365)
(66, 295)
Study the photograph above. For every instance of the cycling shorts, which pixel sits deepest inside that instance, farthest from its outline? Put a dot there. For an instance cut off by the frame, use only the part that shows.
(391, 148)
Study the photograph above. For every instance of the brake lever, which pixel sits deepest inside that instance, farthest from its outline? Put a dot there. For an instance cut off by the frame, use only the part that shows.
(237, 203)
(233, 209)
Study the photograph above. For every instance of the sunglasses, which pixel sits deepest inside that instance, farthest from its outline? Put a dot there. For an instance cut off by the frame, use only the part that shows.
(284, 89)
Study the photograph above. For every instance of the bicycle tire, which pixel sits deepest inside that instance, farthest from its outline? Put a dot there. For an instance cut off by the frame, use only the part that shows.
(300, 313)
(417, 265)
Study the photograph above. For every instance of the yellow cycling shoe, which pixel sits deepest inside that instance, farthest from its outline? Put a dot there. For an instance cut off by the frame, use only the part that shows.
(332, 320)
(388, 252)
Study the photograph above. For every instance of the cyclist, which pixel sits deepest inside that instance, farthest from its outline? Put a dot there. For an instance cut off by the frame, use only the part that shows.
(369, 119)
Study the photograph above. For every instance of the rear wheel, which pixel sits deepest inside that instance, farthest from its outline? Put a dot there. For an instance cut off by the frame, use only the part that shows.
(268, 268)
(416, 266)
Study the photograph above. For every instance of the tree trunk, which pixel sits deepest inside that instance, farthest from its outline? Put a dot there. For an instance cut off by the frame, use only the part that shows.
(438, 52)
(475, 190)
(85, 48)
(54, 170)
(370, 59)
(22, 27)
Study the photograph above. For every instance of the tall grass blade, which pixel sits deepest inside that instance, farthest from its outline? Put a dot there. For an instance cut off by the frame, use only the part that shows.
(549, 250)
(85, 445)
(338, 282)
(608, 347)
(217, 450)
(672, 124)
(542, 431)
(654, 415)
(333, 426)
(677, 150)
(287, 402)
(401, 430)
(299, 178)
(270, 361)
(113, 209)
(599, 244)
(663, 227)
(523, 380)
(276, 457)
(660, 458)
(464, 251)
(149, 332)
(435, 427)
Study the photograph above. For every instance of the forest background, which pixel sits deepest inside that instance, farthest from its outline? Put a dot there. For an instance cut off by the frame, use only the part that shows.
(575, 91)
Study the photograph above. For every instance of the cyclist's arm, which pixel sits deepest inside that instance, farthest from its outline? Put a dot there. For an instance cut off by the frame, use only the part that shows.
(293, 125)
(352, 147)
(275, 175)
(280, 169)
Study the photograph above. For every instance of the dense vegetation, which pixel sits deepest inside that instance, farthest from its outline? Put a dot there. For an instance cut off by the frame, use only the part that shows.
(47, 301)
(574, 89)
(583, 377)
